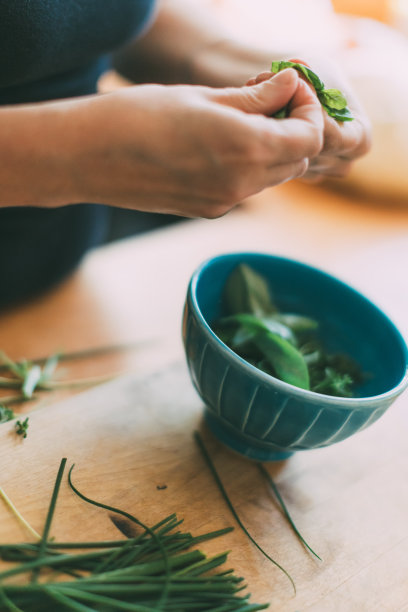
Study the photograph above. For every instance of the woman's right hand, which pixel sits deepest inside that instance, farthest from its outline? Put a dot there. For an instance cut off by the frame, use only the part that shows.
(190, 150)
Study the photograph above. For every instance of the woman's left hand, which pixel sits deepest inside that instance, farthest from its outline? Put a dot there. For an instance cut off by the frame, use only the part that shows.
(343, 142)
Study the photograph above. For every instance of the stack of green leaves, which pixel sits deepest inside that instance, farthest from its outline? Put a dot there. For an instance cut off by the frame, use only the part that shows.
(284, 345)
(150, 570)
(332, 100)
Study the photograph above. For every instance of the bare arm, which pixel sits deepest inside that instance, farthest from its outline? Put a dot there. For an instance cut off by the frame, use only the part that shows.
(192, 151)
(37, 147)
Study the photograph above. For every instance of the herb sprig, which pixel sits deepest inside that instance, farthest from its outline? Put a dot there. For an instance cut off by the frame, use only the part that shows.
(332, 100)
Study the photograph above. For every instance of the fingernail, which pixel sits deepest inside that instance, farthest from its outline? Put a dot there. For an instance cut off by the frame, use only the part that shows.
(285, 76)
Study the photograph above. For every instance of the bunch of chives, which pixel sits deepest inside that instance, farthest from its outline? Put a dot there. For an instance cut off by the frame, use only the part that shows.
(152, 570)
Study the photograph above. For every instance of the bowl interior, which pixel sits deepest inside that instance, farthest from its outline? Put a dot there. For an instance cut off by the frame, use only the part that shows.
(348, 322)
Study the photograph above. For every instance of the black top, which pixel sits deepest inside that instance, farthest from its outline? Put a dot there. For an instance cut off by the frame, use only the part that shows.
(53, 49)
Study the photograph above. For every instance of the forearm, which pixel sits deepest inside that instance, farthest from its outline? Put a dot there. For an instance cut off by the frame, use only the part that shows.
(189, 46)
(39, 152)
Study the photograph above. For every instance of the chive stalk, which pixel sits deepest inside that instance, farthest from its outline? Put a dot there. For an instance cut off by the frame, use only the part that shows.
(275, 489)
(227, 500)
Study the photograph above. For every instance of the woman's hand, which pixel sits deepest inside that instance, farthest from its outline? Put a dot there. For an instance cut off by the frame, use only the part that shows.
(343, 142)
(195, 151)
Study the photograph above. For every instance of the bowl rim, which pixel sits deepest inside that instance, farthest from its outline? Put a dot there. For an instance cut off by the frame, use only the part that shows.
(263, 378)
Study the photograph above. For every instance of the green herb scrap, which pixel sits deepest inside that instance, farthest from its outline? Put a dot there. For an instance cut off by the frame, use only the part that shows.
(6, 414)
(22, 427)
(284, 345)
(332, 100)
(26, 375)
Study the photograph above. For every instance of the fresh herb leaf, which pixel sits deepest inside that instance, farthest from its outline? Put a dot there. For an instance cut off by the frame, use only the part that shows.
(286, 361)
(296, 323)
(305, 70)
(247, 291)
(332, 100)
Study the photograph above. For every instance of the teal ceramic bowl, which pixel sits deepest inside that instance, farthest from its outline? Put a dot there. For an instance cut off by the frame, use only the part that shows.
(262, 417)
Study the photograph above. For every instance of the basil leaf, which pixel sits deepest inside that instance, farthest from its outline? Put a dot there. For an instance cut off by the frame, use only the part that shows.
(285, 359)
(247, 291)
(296, 323)
(250, 324)
(339, 115)
(309, 74)
(333, 98)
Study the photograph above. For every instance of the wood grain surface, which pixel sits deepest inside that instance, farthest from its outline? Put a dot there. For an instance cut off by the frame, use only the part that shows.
(128, 437)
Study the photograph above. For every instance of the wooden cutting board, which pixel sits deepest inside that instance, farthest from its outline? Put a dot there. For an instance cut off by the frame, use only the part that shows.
(132, 444)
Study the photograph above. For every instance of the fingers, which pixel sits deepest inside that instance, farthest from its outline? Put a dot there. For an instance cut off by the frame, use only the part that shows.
(286, 172)
(266, 97)
(263, 76)
(329, 166)
(252, 182)
(285, 140)
(303, 130)
(299, 61)
(348, 140)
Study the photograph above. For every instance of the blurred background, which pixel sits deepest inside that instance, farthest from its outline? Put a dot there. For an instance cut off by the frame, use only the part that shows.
(369, 40)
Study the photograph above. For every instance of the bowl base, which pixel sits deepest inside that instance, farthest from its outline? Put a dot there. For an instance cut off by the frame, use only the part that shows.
(236, 443)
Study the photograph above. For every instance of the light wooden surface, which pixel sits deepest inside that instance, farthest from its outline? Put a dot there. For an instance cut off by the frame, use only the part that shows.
(350, 501)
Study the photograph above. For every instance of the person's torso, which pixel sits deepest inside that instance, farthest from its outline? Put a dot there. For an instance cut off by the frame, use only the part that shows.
(53, 48)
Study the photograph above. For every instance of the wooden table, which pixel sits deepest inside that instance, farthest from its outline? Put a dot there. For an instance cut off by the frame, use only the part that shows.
(350, 501)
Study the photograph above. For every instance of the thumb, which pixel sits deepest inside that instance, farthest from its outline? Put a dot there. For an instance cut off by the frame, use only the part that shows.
(264, 98)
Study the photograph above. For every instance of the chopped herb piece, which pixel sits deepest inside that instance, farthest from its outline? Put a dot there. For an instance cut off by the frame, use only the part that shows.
(21, 427)
(6, 414)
